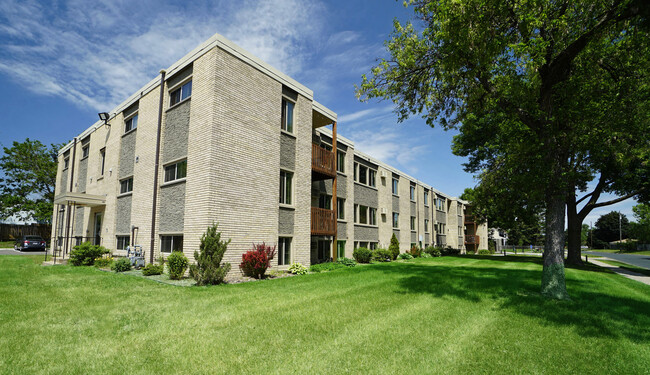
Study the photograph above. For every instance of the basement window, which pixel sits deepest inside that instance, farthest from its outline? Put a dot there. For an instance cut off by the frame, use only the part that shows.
(171, 243)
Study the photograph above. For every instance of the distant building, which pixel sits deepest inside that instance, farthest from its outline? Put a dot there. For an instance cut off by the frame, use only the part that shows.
(246, 146)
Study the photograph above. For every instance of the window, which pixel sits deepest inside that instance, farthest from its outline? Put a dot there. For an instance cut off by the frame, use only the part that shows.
(340, 208)
(440, 228)
(356, 209)
(371, 177)
(426, 198)
(176, 171)
(102, 162)
(171, 243)
(325, 201)
(395, 220)
(440, 204)
(126, 185)
(131, 123)
(66, 163)
(372, 245)
(284, 251)
(122, 242)
(372, 216)
(340, 161)
(287, 115)
(412, 222)
(363, 174)
(340, 249)
(426, 225)
(355, 171)
(363, 214)
(180, 94)
(84, 151)
(412, 192)
(395, 190)
(285, 187)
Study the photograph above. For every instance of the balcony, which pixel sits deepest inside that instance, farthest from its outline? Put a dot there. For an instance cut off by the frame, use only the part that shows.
(322, 163)
(322, 222)
(470, 219)
(472, 240)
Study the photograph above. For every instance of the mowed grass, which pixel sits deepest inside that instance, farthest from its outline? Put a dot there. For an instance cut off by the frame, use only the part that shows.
(451, 315)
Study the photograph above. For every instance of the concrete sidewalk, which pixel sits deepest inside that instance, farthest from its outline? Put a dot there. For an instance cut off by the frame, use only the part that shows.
(622, 271)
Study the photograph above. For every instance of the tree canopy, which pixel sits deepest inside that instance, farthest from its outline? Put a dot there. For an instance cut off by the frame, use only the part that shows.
(607, 227)
(29, 170)
(545, 95)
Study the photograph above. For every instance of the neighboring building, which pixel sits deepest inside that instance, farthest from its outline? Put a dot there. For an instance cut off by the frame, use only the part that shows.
(500, 238)
(227, 138)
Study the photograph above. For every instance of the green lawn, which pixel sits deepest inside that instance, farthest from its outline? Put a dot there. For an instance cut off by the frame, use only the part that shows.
(6, 244)
(645, 252)
(441, 315)
(642, 271)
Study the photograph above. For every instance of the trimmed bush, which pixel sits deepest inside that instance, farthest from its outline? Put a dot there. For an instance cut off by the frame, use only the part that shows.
(208, 269)
(297, 269)
(470, 251)
(85, 254)
(103, 262)
(382, 255)
(484, 252)
(327, 266)
(394, 247)
(255, 262)
(450, 251)
(177, 263)
(415, 251)
(121, 265)
(152, 269)
(362, 255)
(405, 256)
(347, 262)
(425, 255)
(433, 251)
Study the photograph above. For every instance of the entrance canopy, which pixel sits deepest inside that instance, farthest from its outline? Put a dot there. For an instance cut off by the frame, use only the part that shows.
(80, 199)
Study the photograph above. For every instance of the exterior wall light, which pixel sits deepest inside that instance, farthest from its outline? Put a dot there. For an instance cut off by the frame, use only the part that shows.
(104, 117)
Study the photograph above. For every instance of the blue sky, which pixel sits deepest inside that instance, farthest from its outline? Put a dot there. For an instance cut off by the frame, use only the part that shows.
(64, 61)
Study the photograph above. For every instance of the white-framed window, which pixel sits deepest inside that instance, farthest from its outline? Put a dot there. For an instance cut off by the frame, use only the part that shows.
(412, 193)
(131, 123)
(102, 160)
(395, 186)
(66, 163)
(176, 171)
(180, 94)
(340, 208)
(284, 251)
(440, 204)
(340, 161)
(286, 181)
(85, 151)
(365, 175)
(169, 243)
(395, 220)
(287, 115)
(372, 216)
(426, 225)
(363, 214)
(412, 222)
(126, 185)
(426, 198)
(122, 242)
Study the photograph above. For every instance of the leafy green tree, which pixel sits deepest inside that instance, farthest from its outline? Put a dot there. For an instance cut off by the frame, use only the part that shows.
(27, 187)
(584, 235)
(641, 229)
(607, 228)
(535, 90)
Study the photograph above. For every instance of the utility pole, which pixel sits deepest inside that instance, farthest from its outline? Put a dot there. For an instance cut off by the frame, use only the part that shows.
(620, 231)
(591, 235)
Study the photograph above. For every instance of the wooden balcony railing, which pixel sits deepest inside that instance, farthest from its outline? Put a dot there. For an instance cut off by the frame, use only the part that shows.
(322, 222)
(469, 219)
(472, 240)
(322, 161)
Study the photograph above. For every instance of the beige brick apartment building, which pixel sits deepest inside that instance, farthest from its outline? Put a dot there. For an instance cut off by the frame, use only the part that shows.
(223, 137)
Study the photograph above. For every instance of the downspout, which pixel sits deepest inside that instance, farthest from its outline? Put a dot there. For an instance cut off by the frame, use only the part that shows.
(156, 166)
(67, 210)
(335, 198)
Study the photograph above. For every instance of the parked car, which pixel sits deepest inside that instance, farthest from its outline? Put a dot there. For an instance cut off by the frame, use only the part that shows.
(30, 243)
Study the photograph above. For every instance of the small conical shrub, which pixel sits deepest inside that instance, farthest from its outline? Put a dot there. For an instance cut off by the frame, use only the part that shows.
(208, 269)
(394, 247)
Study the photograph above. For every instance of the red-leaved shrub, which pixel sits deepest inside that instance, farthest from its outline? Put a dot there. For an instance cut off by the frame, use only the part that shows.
(255, 262)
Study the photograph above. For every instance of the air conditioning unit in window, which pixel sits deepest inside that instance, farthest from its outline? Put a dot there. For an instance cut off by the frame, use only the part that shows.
(383, 175)
(384, 211)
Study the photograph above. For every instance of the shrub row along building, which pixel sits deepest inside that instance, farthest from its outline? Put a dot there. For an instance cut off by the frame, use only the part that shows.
(223, 137)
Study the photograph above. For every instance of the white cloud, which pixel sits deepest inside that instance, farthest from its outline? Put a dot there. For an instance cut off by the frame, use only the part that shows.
(97, 53)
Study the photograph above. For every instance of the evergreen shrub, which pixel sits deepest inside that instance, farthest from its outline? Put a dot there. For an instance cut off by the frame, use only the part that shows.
(208, 269)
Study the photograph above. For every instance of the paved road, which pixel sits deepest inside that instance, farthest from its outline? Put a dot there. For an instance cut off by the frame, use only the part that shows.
(14, 252)
(637, 260)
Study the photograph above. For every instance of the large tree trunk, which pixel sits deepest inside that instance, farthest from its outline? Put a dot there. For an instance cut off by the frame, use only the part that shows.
(553, 282)
(574, 232)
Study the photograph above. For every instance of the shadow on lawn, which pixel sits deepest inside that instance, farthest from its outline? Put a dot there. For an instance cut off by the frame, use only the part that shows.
(593, 310)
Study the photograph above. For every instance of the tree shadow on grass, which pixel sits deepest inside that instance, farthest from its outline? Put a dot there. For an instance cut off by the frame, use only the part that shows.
(593, 310)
